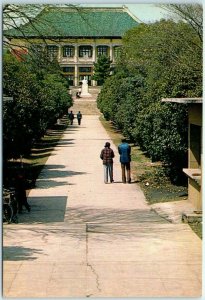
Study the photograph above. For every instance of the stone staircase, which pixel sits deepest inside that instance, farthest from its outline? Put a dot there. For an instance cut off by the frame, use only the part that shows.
(87, 105)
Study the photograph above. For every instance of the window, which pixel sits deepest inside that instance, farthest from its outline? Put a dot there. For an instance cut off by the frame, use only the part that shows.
(85, 69)
(68, 51)
(85, 51)
(37, 51)
(102, 50)
(52, 51)
(68, 69)
(117, 51)
(70, 79)
(36, 48)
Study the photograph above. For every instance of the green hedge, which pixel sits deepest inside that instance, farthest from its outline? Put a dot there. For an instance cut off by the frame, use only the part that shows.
(38, 102)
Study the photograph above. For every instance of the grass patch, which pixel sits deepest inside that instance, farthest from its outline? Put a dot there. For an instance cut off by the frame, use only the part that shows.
(197, 228)
(158, 188)
(114, 134)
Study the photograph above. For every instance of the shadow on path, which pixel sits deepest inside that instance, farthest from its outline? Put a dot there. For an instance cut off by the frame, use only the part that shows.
(50, 172)
(15, 253)
(45, 210)
(114, 216)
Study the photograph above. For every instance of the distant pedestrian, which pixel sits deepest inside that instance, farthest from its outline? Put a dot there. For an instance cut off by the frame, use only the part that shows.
(79, 117)
(107, 155)
(20, 187)
(124, 150)
(71, 117)
(78, 94)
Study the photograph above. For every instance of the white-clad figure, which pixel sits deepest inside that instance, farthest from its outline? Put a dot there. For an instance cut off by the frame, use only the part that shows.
(84, 89)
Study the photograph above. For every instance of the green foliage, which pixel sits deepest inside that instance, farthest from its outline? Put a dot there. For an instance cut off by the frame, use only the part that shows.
(39, 99)
(108, 98)
(160, 60)
(102, 69)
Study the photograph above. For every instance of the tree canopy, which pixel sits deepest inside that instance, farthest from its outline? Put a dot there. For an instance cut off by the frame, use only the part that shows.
(40, 96)
(102, 69)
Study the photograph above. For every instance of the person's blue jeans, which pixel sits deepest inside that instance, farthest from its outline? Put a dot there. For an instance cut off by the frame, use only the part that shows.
(108, 171)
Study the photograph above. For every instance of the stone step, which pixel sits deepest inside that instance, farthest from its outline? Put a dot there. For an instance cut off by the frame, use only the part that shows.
(94, 91)
(192, 218)
(87, 107)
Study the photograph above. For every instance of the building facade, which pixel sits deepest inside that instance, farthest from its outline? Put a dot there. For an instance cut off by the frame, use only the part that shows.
(76, 37)
(77, 57)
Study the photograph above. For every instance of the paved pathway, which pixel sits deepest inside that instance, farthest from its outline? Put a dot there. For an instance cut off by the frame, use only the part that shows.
(87, 239)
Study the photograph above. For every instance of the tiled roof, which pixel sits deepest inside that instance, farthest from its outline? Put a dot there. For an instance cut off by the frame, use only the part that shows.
(81, 22)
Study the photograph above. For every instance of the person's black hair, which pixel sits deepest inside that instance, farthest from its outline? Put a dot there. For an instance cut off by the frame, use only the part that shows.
(107, 144)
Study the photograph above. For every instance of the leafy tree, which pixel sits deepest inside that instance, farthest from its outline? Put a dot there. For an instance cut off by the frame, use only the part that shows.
(102, 69)
(38, 102)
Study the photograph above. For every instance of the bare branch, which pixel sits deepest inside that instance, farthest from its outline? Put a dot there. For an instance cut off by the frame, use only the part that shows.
(191, 13)
(20, 16)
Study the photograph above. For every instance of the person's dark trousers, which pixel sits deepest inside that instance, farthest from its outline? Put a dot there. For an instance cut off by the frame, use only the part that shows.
(125, 169)
(22, 201)
(79, 121)
(25, 203)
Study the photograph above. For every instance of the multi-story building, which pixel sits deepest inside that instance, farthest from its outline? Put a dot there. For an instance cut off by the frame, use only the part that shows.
(76, 37)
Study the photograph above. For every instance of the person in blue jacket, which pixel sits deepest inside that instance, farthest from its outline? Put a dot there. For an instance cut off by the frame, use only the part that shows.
(124, 150)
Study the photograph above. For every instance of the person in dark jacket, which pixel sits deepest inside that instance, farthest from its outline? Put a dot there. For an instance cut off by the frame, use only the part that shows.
(71, 117)
(124, 150)
(79, 117)
(107, 155)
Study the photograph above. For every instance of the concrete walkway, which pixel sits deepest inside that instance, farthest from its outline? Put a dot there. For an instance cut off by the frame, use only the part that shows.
(87, 239)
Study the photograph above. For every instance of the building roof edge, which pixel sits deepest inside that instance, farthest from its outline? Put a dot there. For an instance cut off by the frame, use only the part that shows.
(183, 100)
(126, 9)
